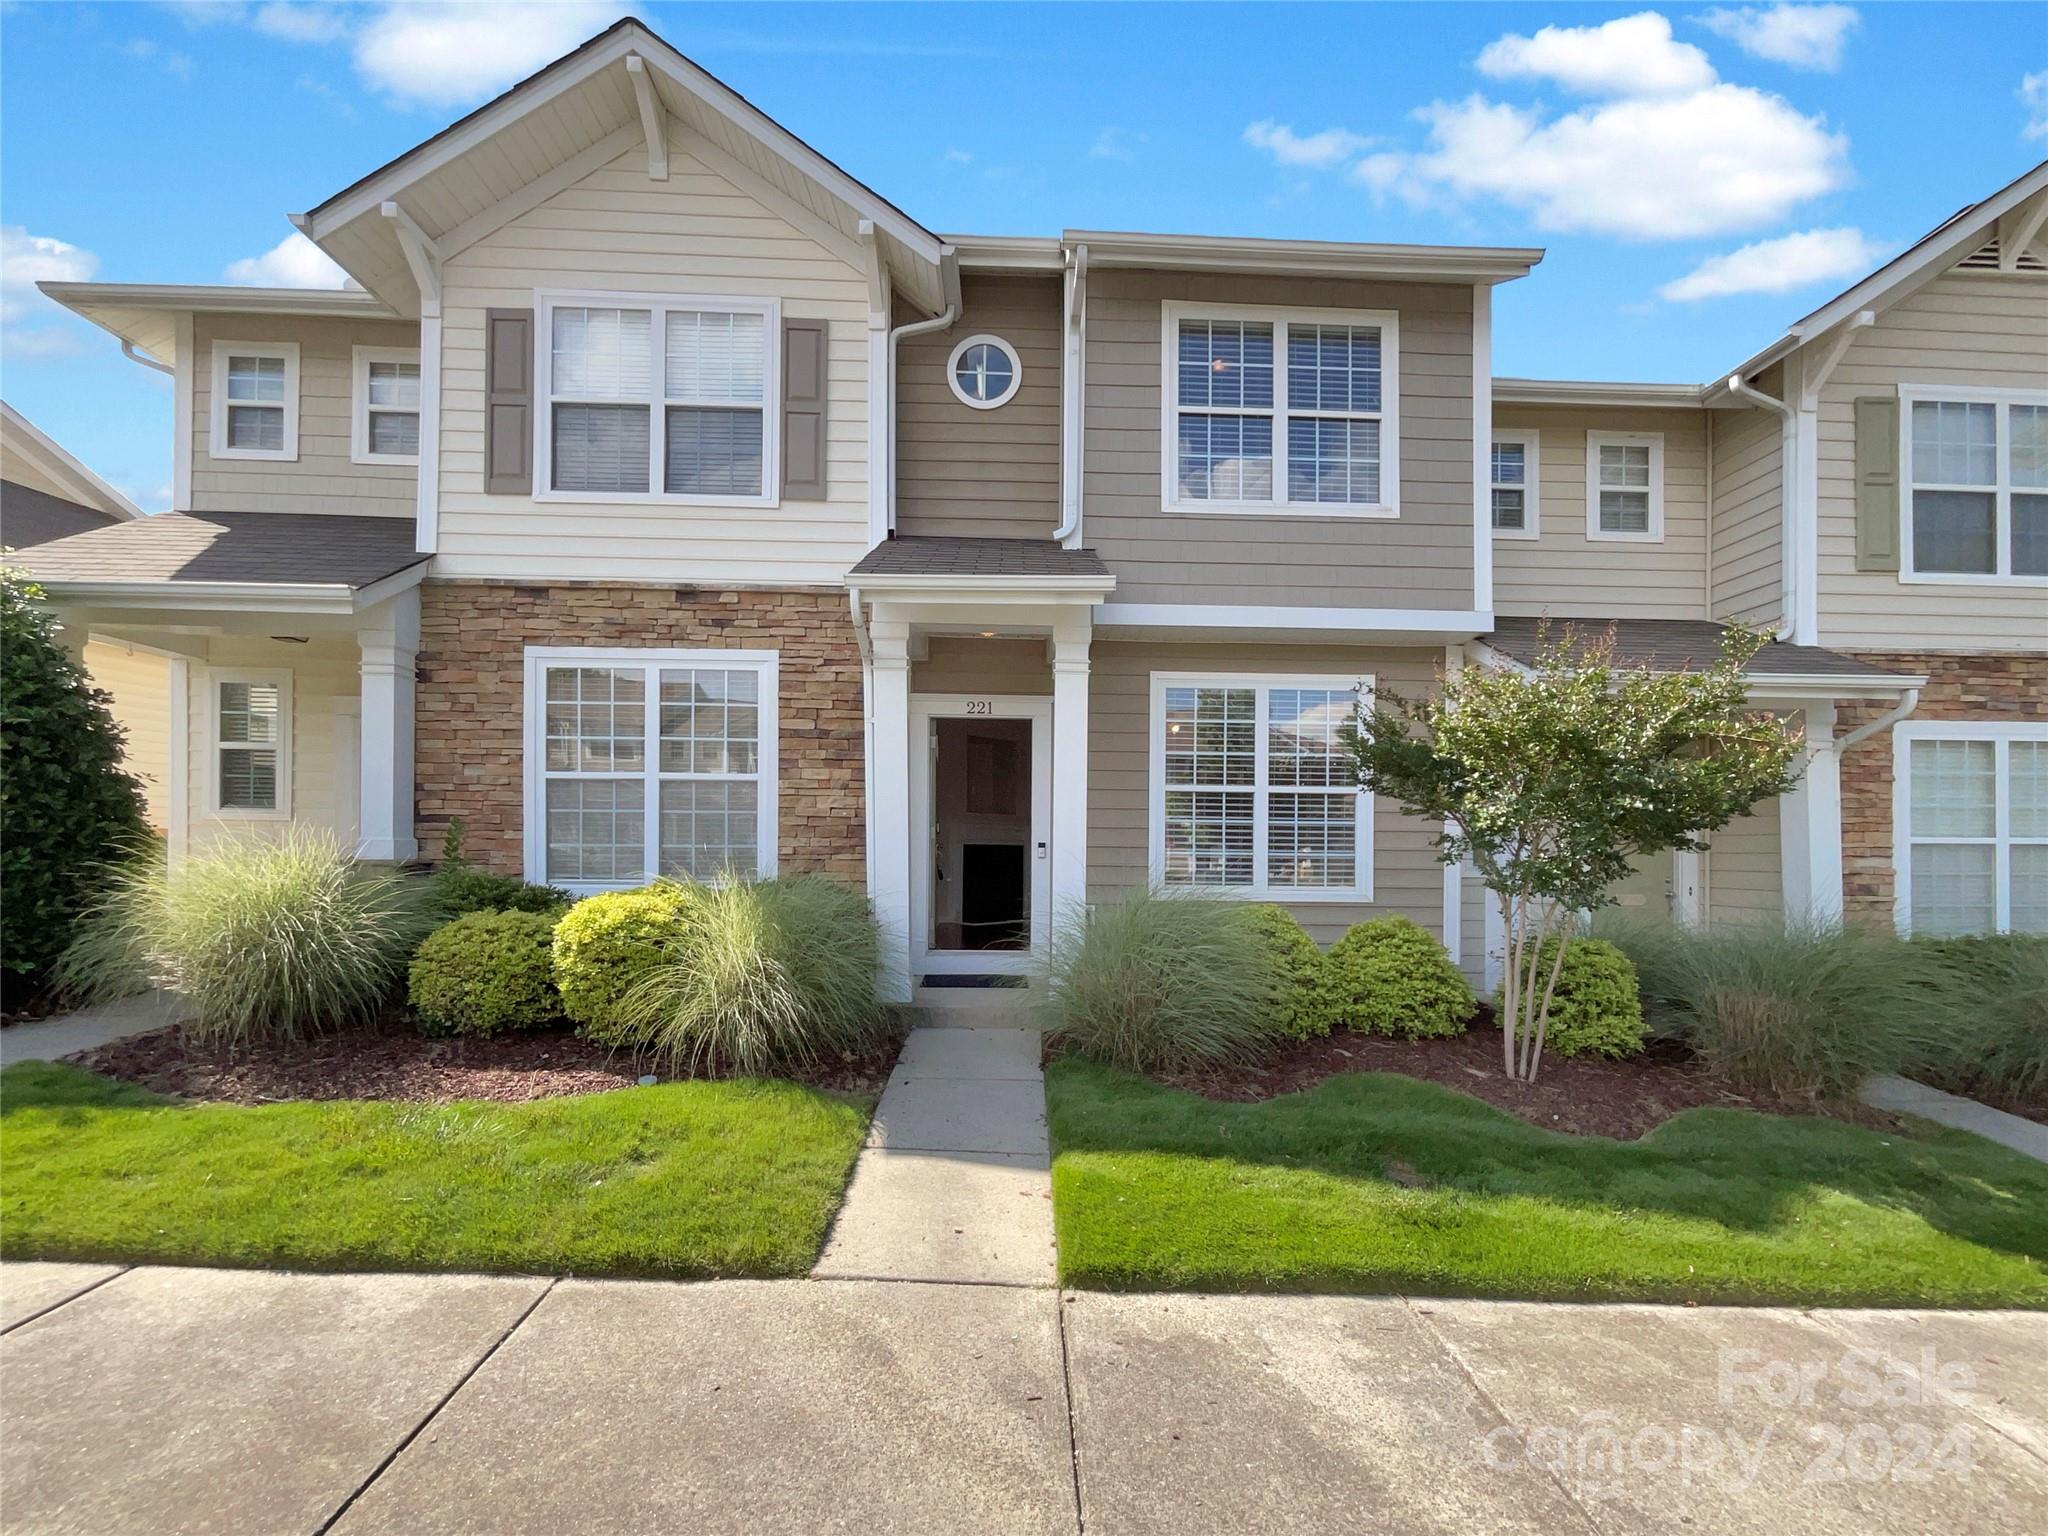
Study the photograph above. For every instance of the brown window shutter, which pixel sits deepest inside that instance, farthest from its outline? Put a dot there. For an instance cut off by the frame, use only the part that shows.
(1877, 483)
(803, 409)
(508, 402)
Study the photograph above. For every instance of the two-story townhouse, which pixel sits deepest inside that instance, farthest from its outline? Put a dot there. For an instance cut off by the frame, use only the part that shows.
(665, 500)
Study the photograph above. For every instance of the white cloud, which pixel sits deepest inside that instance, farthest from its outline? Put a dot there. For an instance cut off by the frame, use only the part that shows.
(1802, 36)
(2034, 93)
(1629, 56)
(300, 23)
(1115, 143)
(445, 55)
(1321, 150)
(959, 157)
(294, 262)
(31, 325)
(1778, 266)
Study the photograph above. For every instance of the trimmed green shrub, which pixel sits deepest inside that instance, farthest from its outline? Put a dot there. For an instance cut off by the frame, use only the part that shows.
(1597, 1009)
(1159, 981)
(604, 945)
(262, 938)
(769, 973)
(1302, 1001)
(486, 972)
(1391, 977)
(462, 888)
(66, 805)
(1994, 1043)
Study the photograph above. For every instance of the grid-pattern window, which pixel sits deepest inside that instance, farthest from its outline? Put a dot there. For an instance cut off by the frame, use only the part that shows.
(255, 405)
(1282, 412)
(1255, 791)
(1978, 486)
(1974, 848)
(393, 407)
(1625, 486)
(653, 766)
(248, 738)
(1514, 486)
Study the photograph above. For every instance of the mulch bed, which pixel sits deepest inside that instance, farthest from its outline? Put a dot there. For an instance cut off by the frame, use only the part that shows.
(1584, 1096)
(394, 1062)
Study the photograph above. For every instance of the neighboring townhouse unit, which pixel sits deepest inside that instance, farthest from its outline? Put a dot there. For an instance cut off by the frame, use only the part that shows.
(665, 500)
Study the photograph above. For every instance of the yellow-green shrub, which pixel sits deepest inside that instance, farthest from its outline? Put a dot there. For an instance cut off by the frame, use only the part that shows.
(1597, 1009)
(1391, 977)
(1302, 1003)
(605, 945)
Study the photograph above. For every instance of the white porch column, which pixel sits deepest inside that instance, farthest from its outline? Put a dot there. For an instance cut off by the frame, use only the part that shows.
(891, 780)
(1069, 769)
(388, 644)
(1810, 825)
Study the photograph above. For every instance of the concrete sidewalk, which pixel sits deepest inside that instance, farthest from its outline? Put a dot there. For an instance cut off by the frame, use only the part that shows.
(153, 1400)
(52, 1038)
(1904, 1096)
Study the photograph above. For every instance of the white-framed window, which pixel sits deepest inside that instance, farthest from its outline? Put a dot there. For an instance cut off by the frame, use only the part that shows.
(255, 400)
(1283, 411)
(669, 399)
(649, 762)
(1625, 486)
(250, 720)
(385, 406)
(1517, 485)
(984, 372)
(1970, 826)
(1974, 467)
(1252, 792)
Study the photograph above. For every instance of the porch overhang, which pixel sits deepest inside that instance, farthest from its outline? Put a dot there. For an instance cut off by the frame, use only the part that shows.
(1780, 673)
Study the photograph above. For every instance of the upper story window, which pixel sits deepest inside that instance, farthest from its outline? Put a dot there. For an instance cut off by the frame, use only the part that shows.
(1517, 494)
(386, 405)
(251, 729)
(658, 400)
(1281, 411)
(255, 400)
(1976, 472)
(1625, 486)
(984, 372)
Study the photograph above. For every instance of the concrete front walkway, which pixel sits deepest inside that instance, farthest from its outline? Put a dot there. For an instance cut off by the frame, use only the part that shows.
(50, 1039)
(1904, 1096)
(154, 1400)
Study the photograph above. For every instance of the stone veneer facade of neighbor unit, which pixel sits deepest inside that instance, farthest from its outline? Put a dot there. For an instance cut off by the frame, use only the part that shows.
(469, 707)
(1989, 689)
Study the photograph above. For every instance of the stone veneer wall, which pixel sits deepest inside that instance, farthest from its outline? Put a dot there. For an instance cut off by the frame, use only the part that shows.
(1959, 687)
(470, 704)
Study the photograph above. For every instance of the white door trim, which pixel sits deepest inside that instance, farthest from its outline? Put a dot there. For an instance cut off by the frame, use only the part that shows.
(924, 709)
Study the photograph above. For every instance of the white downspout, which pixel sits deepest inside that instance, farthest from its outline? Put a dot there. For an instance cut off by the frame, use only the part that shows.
(867, 727)
(949, 278)
(128, 351)
(1908, 702)
(1073, 384)
(1788, 454)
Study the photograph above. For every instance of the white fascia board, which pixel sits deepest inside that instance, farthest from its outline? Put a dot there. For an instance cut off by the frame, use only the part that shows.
(1009, 253)
(223, 298)
(1333, 258)
(1434, 626)
(52, 458)
(1593, 392)
(235, 596)
(1784, 685)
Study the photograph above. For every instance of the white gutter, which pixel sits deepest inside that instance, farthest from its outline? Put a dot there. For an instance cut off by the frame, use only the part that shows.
(949, 278)
(1073, 363)
(1788, 451)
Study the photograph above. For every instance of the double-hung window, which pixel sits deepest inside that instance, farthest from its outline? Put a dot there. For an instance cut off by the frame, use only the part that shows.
(1976, 478)
(255, 400)
(1287, 411)
(1970, 826)
(1252, 790)
(386, 395)
(645, 763)
(1516, 492)
(1625, 486)
(251, 743)
(659, 399)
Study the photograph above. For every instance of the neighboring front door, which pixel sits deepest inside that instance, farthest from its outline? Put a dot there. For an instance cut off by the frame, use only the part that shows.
(981, 827)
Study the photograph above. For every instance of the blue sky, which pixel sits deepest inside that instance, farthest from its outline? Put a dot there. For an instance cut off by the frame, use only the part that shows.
(1700, 174)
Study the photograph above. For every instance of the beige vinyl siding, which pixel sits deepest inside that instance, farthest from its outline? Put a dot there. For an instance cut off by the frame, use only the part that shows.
(1422, 559)
(964, 472)
(1989, 330)
(1562, 572)
(321, 479)
(324, 679)
(617, 231)
(140, 682)
(1406, 875)
(956, 664)
(1474, 901)
(1748, 523)
(1743, 880)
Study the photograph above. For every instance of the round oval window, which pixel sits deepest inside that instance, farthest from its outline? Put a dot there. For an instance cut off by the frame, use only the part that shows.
(984, 371)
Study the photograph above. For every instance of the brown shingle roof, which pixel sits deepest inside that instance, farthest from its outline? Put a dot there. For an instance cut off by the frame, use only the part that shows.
(924, 556)
(1670, 644)
(262, 548)
(29, 517)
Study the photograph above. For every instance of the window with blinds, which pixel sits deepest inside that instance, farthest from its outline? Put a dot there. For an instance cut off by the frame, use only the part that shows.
(1972, 852)
(255, 400)
(1514, 486)
(1625, 485)
(387, 406)
(249, 743)
(1977, 476)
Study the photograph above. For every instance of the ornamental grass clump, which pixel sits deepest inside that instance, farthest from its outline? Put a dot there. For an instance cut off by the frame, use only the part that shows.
(771, 975)
(1161, 982)
(1390, 976)
(262, 939)
(1995, 1043)
(484, 973)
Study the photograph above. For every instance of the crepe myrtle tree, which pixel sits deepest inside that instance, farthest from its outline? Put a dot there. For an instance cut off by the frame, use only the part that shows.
(1553, 779)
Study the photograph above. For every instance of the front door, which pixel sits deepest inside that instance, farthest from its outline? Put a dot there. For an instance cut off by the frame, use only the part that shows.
(981, 818)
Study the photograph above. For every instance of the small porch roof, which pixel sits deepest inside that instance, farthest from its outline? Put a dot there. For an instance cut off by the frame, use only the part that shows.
(919, 561)
(1671, 645)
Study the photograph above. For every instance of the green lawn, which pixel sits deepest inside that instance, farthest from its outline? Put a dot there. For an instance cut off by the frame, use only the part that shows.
(1376, 1182)
(680, 1179)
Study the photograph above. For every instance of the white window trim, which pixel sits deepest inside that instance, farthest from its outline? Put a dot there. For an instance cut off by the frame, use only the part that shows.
(1595, 441)
(1909, 396)
(2003, 734)
(1016, 372)
(217, 446)
(767, 801)
(281, 679)
(359, 408)
(545, 303)
(1155, 797)
(1531, 487)
(1172, 313)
